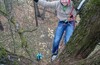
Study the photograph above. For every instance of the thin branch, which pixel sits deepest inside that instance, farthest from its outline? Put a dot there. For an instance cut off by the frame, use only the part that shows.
(30, 30)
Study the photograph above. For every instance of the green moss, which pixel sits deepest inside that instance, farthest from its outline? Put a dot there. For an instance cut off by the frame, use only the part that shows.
(81, 62)
(13, 20)
(2, 11)
(82, 31)
(2, 7)
(23, 39)
(3, 53)
(96, 2)
(90, 9)
(16, 63)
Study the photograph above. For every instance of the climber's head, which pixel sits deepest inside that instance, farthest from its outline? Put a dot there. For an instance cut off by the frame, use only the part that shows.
(65, 2)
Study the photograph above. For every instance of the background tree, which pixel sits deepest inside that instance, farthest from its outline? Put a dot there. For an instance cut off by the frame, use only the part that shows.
(20, 15)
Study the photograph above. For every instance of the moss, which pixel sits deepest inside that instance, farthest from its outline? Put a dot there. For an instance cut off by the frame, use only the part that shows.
(96, 2)
(82, 32)
(16, 63)
(20, 31)
(3, 53)
(89, 9)
(2, 7)
(82, 62)
(2, 10)
(13, 20)
(23, 39)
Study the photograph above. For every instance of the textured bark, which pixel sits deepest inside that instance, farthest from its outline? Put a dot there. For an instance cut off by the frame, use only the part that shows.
(93, 60)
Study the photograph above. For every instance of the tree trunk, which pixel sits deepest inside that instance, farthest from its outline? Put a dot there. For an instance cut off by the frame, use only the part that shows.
(36, 12)
(10, 16)
(93, 60)
(85, 37)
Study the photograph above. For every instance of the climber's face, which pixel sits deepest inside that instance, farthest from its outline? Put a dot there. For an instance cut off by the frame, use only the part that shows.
(64, 2)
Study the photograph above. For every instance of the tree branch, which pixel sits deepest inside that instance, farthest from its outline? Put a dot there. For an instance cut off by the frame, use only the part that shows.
(30, 30)
(3, 13)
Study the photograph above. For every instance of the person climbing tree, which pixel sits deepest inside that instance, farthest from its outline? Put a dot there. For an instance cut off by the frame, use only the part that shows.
(66, 14)
(1, 26)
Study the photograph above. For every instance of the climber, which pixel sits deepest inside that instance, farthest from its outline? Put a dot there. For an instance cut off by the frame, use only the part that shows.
(66, 14)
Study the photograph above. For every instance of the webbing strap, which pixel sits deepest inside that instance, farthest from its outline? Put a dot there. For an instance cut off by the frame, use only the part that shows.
(72, 10)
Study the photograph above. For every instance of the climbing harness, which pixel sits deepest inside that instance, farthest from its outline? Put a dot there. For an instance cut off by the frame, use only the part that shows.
(78, 8)
(70, 15)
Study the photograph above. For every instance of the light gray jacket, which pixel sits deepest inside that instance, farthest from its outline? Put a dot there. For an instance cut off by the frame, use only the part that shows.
(62, 15)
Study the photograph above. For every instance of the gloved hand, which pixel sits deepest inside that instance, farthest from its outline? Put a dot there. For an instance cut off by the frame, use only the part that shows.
(71, 16)
(36, 0)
